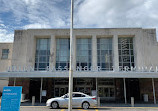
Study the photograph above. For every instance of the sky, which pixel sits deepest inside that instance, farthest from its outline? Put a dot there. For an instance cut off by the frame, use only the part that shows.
(33, 14)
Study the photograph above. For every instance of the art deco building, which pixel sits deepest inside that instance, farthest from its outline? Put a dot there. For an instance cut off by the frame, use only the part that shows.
(113, 64)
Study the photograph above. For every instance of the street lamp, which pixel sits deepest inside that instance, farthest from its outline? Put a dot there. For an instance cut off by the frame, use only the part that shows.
(71, 60)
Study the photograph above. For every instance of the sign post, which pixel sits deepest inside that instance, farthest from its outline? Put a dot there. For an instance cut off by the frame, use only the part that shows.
(11, 97)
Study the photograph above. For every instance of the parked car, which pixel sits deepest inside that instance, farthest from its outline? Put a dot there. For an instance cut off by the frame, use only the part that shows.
(79, 100)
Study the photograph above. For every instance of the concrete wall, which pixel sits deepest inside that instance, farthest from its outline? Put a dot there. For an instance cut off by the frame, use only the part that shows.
(145, 44)
(4, 63)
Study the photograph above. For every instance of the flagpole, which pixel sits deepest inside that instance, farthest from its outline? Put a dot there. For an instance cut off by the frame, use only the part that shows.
(71, 60)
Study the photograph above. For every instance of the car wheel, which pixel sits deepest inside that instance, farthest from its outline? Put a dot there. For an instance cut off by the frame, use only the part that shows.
(54, 105)
(85, 105)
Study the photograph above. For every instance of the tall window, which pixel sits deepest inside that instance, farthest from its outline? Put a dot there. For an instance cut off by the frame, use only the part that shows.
(105, 55)
(84, 53)
(42, 54)
(62, 54)
(126, 53)
(5, 53)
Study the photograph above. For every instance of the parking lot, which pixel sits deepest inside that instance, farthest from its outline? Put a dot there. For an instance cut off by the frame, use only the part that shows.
(43, 108)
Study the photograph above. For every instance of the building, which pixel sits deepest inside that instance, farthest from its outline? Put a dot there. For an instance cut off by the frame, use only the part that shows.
(5, 61)
(114, 64)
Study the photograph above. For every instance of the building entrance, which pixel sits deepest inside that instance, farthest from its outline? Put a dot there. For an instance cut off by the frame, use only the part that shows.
(34, 89)
(106, 89)
(83, 85)
(133, 90)
(60, 87)
(84, 89)
(60, 90)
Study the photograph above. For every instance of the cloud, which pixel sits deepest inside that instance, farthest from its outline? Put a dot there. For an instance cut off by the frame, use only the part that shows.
(36, 26)
(4, 35)
(116, 13)
(112, 13)
(51, 12)
(23, 14)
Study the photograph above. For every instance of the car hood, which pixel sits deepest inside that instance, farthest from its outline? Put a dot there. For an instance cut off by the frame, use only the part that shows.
(53, 99)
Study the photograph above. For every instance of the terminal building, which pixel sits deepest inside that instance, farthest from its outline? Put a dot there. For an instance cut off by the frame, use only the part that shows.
(114, 64)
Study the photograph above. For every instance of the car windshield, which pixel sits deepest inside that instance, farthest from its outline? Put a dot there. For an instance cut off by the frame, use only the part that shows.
(65, 96)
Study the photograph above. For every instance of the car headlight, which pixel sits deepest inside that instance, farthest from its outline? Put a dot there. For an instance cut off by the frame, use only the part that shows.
(48, 101)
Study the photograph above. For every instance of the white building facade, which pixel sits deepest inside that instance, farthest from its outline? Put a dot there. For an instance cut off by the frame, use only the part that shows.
(113, 64)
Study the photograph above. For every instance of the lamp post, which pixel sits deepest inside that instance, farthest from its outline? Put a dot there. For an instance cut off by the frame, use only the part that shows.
(71, 61)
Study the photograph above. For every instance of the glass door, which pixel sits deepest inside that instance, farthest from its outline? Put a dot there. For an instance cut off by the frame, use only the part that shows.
(60, 91)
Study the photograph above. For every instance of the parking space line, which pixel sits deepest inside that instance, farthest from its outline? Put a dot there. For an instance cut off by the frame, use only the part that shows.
(82, 110)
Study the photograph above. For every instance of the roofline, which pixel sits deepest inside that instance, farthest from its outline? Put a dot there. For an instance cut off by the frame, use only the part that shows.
(6, 42)
(80, 28)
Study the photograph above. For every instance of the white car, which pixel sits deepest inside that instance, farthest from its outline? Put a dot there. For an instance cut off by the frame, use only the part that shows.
(78, 100)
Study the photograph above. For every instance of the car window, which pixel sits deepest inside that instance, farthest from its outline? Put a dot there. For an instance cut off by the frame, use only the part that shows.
(66, 96)
(83, 96)
(77, 95)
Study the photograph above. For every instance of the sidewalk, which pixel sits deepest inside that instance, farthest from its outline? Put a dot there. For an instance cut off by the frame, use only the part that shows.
(128, 105)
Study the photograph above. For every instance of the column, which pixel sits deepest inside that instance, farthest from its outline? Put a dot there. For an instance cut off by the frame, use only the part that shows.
(14, 81)
(97, 88)
(124, 82)
(52, 60)
(94, 51)
(115, 51)
(74, 52)
(41, 90)
(153, 84)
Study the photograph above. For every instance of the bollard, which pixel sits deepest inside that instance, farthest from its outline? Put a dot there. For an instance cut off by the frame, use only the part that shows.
(33, 100)
(132, 101)
(98, 102)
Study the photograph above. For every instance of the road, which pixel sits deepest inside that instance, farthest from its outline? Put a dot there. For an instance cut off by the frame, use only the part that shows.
(43, 108)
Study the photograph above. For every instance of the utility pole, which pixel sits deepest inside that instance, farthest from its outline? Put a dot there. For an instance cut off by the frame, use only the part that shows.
(71, 60)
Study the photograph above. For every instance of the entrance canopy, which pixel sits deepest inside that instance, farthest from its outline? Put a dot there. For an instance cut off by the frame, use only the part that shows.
(90, 74)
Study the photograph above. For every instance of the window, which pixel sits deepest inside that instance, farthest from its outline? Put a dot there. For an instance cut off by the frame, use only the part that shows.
(42, 54)
(126, 53)
(106, 92)
(5, 53)
(62, 54)
(105, 53)
(106, 87)
(106, 81)
(66, 96)
(84, 53)
(61, 81)
(77, 95)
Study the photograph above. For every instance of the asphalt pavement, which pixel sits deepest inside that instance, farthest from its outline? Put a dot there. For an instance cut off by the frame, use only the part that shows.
(43, 108)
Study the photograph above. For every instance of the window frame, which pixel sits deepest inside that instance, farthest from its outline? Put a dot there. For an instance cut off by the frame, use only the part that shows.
(5, 55)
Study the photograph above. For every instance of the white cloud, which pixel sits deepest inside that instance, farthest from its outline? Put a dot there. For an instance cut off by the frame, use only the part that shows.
(36, 26)
(116, 13)
(120, 13)
(88, 13)
(5, 36)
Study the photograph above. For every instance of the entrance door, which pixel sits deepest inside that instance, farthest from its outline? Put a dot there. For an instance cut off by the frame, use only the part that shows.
(83, 89)
(107, 93)
(133, 90)
(60, 91)
(34, 89)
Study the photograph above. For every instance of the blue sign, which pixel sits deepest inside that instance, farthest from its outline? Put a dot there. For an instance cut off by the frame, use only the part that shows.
(11, 98)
